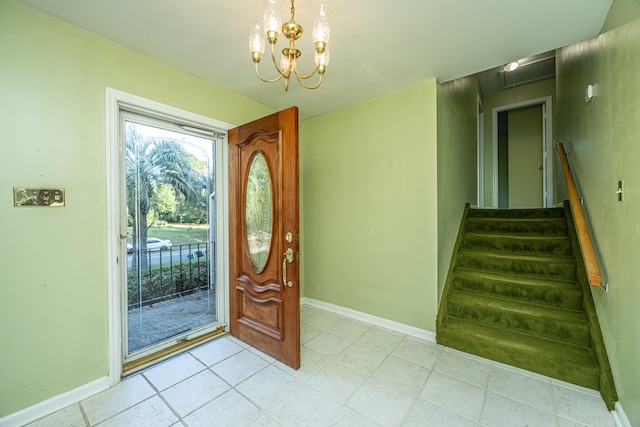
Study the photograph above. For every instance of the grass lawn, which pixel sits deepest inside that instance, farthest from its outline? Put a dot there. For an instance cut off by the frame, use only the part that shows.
(180, 234)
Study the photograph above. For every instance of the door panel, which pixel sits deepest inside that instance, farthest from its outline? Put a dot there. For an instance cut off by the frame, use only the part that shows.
(526, 171)
(264, 285)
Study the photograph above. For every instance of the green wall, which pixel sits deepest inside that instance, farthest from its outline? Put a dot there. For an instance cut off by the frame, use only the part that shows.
(370, 206)
(507, 97)
(457, 162)
(620, 13)
(53, 307)
(602, 136)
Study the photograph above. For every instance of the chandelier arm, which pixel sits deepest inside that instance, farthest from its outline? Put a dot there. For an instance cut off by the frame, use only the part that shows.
(300, 76)
(275, 63)
(307, 86)
(267, 80)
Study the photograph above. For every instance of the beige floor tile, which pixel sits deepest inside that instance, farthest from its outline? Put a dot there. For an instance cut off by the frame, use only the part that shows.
(350, 329)
(173, 371)
(418, 351)
(239, 367)
(425, 413)
(347, 417)
(71, 416)
(268, 386)
(328, 344)
(323, 320)
(303, 406)
(381, 339)
(190, 394)
(307, 333)
(216, 351)
(336, 380)
(123, 395)
(500, 411)
(464, 368)
(381, 402)
(525, 389)
(150, 413)
(230, 409)
(403, 374)
(362, 358)
(454, 395)
(581, 407)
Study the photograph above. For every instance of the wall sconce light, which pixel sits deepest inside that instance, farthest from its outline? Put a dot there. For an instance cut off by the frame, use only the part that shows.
(588, 94)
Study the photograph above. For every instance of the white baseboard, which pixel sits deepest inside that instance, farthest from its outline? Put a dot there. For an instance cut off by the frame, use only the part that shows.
(374, 320)
(619, 417)
(55, 403)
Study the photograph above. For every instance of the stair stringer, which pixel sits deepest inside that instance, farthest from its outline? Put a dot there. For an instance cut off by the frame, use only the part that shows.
(607, 385)
(448, 285)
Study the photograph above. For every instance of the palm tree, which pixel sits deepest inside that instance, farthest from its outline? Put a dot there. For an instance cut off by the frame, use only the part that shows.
(150, 164)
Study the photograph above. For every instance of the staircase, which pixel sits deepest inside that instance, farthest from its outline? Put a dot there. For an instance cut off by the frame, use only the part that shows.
(516, 293)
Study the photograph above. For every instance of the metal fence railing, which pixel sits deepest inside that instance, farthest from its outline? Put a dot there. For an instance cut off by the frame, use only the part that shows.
(161, 275)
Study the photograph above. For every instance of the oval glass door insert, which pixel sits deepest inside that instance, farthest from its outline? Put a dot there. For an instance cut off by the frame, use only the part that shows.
(258, 211)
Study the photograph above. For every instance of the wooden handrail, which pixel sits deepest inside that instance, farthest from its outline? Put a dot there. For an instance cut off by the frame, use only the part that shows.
(589, 255)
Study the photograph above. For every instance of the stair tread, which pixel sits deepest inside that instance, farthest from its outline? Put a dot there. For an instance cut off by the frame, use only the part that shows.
(540, 290)
(520, 213)
(515, 219)
(534, 256)
(523, 307)
(520, 279)
(567, 362)
(572, 352)
(511, 235)
(549, 226)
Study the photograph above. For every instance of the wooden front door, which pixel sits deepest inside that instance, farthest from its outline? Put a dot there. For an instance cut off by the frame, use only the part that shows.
(264, 274)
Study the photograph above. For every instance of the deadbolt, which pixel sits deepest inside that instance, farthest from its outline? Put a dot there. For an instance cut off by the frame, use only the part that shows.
(289, 237)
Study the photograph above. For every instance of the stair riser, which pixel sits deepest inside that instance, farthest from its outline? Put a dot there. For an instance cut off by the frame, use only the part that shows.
(556, 227)
(551, 295)
(494, 350)
(516, 213)
(569, 332)
(554, 246)
(555, 269)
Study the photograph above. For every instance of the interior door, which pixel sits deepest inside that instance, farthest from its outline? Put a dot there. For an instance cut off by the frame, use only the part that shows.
(264, 278)
(526, 157)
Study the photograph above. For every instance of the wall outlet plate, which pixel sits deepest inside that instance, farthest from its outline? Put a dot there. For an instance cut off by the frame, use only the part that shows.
(35, 197)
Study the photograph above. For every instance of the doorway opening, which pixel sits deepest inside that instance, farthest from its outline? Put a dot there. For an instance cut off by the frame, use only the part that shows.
(169, 186)
(167, 222)
(522, 165)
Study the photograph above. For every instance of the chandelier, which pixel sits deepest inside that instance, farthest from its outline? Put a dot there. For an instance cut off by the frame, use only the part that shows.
(269, 28)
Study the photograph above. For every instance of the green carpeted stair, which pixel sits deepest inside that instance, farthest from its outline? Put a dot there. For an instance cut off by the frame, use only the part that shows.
(516, 293)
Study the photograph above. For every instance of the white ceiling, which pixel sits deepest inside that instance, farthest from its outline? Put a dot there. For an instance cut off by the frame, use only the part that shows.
(378, 47)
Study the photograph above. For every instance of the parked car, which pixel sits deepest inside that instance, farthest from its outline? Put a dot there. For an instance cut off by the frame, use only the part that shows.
(153, 244)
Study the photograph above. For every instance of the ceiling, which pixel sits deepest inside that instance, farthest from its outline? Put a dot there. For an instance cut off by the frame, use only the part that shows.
(378, 47)
(530, 69)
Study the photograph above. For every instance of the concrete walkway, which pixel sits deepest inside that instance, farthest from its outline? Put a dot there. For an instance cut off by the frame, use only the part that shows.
(152, 324)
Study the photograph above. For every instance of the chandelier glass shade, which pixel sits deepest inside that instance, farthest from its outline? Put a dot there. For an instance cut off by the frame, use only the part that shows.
(268, 30)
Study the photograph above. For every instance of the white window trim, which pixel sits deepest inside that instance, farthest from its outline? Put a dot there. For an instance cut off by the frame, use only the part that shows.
(115, 101)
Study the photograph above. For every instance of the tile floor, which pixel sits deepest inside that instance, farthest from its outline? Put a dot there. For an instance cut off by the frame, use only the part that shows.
(353, 374)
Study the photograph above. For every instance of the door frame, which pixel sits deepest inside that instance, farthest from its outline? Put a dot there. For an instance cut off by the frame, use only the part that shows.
(480, 154)
(115, 101)
(547, 145)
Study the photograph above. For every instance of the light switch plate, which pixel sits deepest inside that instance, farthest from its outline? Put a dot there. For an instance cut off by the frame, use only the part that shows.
(47, 197)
